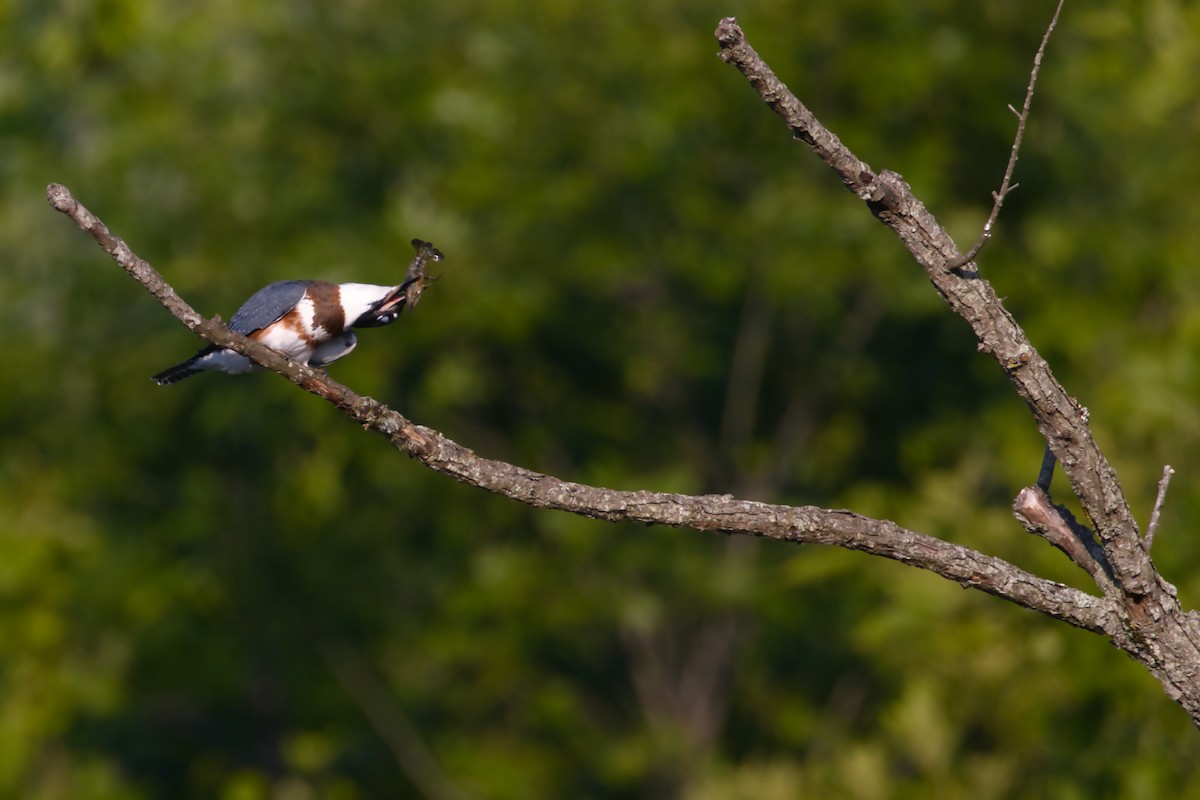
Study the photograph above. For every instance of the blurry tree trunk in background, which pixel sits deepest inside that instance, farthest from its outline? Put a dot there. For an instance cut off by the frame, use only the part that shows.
(1134, 607)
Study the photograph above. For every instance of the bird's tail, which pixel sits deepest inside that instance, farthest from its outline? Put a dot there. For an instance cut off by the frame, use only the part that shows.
(184, 369)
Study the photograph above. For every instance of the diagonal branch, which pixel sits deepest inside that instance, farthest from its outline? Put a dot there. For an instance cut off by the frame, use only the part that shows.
(1060, 418)
(718, 513)
(1034, 509)
(1006, 184)
(1154, 627)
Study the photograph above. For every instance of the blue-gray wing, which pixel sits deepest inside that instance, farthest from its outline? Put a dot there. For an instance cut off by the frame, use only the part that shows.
(267, 305)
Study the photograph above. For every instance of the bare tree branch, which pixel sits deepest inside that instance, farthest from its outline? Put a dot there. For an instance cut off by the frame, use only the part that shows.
(1139, 612)
(1034, 509)
(721, 513)
(1152, 528)
(1046, 473)
(1059, 416)
(1006, 184)
(1155, 628)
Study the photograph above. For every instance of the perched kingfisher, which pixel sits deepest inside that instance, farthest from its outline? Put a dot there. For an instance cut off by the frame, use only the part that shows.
(310, 322)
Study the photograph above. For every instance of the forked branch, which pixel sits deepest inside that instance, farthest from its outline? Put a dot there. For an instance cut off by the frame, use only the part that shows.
(718, 513)
(1155, 628)
(1139, 611)
(1061, 420)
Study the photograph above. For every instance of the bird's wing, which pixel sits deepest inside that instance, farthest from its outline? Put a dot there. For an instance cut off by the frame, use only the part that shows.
(267, 305)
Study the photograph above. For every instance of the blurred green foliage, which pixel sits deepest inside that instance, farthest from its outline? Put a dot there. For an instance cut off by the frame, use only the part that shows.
(222, 589)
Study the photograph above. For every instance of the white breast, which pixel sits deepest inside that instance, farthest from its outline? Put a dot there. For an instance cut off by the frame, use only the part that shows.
(296, 344)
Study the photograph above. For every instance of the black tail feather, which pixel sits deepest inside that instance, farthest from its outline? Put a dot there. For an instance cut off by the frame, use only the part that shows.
(185, 369)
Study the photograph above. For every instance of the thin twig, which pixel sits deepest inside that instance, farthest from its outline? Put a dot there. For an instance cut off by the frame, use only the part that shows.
(1158, 505)
(1006, 185)
(1046, 473)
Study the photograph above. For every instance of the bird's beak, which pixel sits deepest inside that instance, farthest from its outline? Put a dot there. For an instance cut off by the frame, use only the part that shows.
(395, 297)
(393, 302)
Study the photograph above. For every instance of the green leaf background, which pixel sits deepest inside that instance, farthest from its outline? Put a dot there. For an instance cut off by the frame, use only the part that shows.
(647, 285)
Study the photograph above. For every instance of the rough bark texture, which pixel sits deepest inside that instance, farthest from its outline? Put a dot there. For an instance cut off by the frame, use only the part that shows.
(1154, 629)
(1136, 609)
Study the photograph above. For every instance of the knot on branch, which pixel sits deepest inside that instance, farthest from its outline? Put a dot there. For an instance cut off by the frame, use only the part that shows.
(1019, 359)
(883, 193)
(729, 33)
